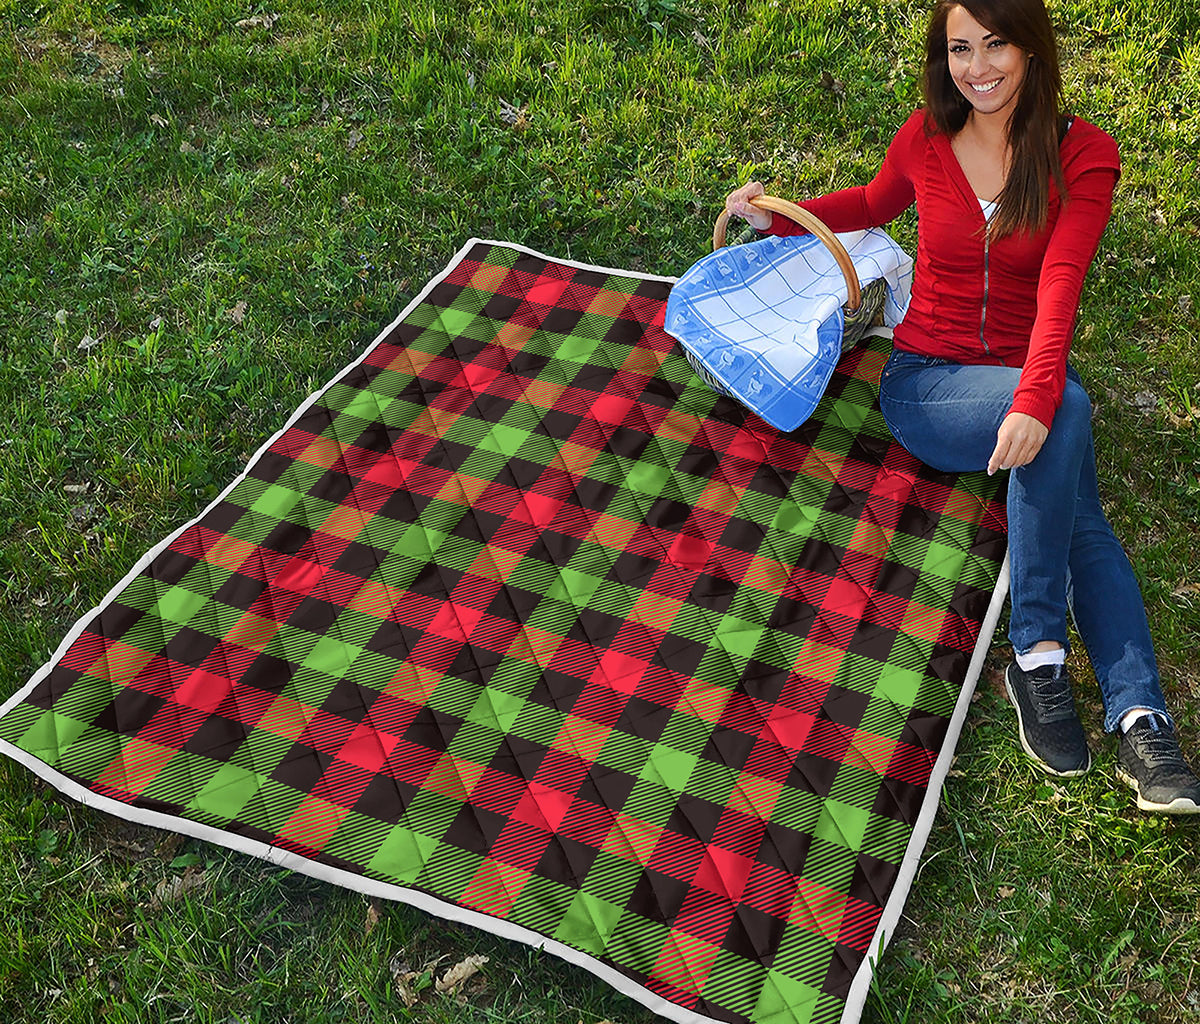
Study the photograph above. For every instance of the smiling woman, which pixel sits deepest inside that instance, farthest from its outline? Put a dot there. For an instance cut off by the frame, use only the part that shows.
(1012, 198)
(997, 90)
(988, 70)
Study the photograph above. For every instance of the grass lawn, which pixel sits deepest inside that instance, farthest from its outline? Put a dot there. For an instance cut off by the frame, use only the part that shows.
(201, 221)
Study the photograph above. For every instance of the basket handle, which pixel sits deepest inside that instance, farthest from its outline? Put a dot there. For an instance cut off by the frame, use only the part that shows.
(806, 220)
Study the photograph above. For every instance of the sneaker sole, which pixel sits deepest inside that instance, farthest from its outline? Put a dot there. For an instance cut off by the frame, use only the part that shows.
(1069, 774)
(1180, 805)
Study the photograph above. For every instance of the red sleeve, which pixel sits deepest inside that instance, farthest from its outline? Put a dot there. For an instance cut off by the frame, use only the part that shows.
(1069, 253)
(888, 194)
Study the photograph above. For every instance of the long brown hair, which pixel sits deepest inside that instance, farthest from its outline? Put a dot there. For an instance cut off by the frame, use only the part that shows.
(1036, 124)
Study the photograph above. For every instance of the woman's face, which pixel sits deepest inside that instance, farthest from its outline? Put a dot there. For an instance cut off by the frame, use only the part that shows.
(987, 69)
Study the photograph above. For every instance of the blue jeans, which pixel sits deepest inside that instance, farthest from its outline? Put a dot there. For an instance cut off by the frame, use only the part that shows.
(1062, 550)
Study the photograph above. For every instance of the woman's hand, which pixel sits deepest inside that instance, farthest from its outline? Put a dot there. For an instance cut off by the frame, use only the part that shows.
(1018, 440)
(737, 204)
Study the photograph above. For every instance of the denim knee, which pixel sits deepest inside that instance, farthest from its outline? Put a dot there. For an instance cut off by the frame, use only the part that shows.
(1072, 424)
(1076, 403)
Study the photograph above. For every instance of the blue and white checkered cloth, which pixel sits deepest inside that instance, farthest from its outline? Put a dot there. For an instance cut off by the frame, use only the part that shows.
(764, 320)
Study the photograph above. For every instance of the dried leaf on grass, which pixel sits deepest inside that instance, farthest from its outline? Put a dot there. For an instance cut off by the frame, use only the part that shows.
(372, 917)
(412, 983)
(128, 850)
(238, 313)
(171, 889)
(406, 987)
(257, 21)
(1145, 401)
(831, 84)
(409, 983)
(460, 972)
(513, 115)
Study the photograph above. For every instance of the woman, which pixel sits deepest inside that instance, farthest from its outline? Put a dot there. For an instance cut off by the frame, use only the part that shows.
(1012, 198)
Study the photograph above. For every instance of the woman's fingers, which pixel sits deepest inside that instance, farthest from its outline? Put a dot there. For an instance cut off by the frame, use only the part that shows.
(746, 192)
(999, 459)
(1018, 441)
(737, 204)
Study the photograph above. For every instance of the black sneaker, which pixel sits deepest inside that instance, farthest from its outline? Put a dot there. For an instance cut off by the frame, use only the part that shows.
(1149, 760)
(1051, 732)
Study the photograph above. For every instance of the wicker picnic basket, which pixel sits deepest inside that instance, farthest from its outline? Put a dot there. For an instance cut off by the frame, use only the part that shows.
(863, 304)
(741, 342)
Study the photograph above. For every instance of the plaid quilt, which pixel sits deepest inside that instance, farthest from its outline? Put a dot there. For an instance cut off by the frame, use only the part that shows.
(518, 621)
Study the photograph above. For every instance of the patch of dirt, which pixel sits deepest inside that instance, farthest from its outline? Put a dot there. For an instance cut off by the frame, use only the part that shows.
(85, 55)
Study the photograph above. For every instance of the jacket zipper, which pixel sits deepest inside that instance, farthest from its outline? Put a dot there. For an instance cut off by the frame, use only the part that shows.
(983, 308)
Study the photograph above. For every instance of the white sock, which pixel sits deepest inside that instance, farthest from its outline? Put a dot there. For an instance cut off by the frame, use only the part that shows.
(1130, 717)
(1036, 659)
